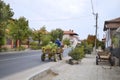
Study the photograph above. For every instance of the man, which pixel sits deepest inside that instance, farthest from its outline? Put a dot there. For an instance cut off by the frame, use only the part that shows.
(58, 43)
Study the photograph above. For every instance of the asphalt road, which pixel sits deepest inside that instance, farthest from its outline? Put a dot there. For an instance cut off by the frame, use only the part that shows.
(12, 63)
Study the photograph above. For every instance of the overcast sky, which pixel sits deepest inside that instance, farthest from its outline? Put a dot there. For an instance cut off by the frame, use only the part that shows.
(66, 14)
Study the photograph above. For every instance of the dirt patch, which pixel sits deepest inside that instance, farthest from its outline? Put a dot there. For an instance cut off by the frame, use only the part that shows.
(49, 76)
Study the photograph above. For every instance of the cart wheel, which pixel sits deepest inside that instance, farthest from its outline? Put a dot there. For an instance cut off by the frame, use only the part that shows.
(55, 58)
(96, 60)
(49, 57)
(112, 61)
(60, 56)
(43, 57)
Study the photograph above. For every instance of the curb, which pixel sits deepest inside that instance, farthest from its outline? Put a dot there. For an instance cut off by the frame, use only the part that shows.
(40, 74)
(17, 52)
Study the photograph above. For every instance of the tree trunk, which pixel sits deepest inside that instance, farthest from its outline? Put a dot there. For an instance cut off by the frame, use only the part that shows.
(20, 43)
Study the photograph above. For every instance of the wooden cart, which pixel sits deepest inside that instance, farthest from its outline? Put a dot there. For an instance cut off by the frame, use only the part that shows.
(104, 56)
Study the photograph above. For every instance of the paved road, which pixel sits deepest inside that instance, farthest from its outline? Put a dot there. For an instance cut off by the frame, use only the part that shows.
(20, 61)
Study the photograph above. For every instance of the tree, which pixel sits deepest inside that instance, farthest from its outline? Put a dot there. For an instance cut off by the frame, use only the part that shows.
(5, 14)
(43, 30)
(45, 39)
(38, 34)
(58, 33)
(19, 30)
(91, 39)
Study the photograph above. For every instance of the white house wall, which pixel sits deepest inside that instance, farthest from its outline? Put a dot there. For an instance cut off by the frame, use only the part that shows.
(73, 40)
(66, 36)
(108, 38)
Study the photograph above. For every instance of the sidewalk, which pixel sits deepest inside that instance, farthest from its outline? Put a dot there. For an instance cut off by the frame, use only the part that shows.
(87, 70)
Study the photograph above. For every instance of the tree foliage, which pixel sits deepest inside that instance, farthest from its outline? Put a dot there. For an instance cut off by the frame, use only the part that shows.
(19, 29)
(37, 34)
(58, 33)
(91, 39)
(5, 14)
(46, 39)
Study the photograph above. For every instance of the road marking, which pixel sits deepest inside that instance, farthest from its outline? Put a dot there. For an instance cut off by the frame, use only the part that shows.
(17, 58)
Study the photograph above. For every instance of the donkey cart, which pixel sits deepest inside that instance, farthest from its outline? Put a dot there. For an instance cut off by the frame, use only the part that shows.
(51, 52)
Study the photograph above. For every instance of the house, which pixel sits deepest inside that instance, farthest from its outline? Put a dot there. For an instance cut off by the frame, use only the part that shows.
(72, 36)
(112, 30)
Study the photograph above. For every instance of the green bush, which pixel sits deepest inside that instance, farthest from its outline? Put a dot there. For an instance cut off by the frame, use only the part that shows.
(88, 49)
(77, 53)
(35, 47)
(3, 49)
(33, 44)
(66, 41)
(20, 48)
(2, 41)
(45, 40)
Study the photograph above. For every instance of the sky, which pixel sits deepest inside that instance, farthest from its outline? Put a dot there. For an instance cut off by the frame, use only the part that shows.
(66, 14)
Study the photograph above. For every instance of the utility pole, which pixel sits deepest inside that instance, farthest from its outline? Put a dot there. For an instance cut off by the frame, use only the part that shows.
(96, 17)
(96, 24)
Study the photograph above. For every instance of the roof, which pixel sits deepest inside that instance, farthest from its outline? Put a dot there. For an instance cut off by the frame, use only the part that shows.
(70, 32)
(112, 24)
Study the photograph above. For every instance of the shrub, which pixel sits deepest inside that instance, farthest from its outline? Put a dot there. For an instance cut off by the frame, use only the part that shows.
(20, 48)
(88, 49)
(34, 46)
(66, 41)
(77, 53)
(3, 49)
(45, 40)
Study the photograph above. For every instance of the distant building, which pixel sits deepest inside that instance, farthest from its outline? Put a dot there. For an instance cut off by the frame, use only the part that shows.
(72, 36)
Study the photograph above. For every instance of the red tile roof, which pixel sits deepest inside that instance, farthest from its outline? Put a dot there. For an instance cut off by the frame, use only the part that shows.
(70, 32)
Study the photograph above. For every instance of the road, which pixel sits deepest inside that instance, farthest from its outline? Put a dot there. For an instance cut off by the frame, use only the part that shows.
(20, 61)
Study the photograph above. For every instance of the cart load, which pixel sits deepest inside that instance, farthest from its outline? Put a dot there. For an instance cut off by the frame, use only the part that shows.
(51, 51)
